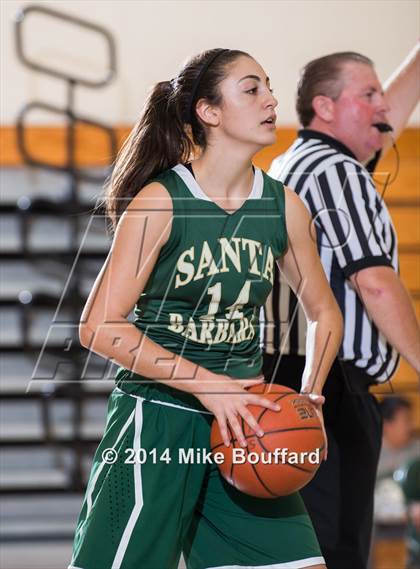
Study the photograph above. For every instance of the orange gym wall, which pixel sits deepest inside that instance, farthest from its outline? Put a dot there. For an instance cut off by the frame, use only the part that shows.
(402, 197)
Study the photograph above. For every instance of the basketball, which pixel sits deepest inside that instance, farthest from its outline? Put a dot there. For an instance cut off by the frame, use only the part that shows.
(283, 460)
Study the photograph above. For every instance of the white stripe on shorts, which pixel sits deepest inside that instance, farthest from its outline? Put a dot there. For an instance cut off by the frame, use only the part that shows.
(309, 562)
(164, 403)
(92, 484)
(138, 490)
(95, 478)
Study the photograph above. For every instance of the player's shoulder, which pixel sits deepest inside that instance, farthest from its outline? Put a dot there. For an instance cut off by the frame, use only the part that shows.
(153, 195)
(157, 194)
(151, 208)
(294, 203)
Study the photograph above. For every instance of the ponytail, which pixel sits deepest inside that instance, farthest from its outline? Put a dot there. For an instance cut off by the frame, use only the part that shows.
(157, 142)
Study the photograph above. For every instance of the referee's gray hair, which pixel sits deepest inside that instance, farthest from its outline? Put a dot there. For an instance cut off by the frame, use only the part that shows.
(322, 76)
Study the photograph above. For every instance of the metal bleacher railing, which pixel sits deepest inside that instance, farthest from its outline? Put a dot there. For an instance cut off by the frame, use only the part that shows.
(56, 351)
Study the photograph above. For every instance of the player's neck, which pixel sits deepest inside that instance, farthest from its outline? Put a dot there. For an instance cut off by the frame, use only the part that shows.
(224, 176)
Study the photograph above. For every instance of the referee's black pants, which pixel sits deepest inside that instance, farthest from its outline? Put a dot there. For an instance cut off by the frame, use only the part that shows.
(339, 499)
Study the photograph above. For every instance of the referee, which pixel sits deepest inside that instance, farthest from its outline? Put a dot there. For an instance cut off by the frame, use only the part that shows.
(343, 110)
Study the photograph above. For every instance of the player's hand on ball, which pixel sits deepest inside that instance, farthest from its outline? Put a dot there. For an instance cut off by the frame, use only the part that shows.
(318, 401)
(227, 399)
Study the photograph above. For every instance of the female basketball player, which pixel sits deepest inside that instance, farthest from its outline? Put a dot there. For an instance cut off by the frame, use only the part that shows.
(194, 251)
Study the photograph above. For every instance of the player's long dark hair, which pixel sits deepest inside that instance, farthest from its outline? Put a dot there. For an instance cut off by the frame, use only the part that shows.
(168, 130)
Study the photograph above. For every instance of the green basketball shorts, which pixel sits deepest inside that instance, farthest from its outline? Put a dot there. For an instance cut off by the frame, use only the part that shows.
(153, 494)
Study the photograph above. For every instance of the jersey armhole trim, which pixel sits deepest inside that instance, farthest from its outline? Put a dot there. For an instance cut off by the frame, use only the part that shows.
(166, 247)
(283, 203)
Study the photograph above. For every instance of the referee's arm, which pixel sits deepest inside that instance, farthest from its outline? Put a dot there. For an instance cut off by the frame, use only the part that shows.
(361, 253)
(402, 94)
(389, 306)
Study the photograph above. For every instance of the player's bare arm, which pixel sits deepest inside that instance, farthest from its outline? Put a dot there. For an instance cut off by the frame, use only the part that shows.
(303, 270)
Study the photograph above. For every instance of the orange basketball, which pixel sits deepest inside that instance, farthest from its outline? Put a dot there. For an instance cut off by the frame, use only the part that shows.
(285, 458)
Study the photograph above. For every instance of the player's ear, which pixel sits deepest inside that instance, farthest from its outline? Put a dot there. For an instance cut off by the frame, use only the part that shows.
(208, 114)
(323, 107)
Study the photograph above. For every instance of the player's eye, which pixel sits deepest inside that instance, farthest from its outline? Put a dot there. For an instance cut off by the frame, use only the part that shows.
(252, 91)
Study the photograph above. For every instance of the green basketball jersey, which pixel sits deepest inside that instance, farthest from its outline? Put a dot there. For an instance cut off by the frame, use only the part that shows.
(203, 298)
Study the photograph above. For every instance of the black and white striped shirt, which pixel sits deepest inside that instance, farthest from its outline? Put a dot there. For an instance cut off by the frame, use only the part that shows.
(354, 231)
